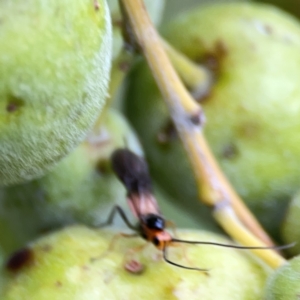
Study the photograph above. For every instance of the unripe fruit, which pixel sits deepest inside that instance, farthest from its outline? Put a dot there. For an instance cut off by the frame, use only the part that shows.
(252, 108)
(81, 188)
(74, 264)
(284, 283)
(290, 227)
(175, 7)
(54, 68)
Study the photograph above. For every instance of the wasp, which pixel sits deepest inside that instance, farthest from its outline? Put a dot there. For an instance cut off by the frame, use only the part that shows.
(132, 171)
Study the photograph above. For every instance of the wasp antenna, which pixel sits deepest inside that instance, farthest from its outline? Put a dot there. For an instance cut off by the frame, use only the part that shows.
(235, 246)
(206, 271)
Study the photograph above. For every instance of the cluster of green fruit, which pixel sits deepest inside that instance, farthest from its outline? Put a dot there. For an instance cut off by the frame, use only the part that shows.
(57, 134)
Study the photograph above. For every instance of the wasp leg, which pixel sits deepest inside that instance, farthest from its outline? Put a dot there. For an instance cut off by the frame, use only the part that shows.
(117, 209)
(112, 244)
(130, 254)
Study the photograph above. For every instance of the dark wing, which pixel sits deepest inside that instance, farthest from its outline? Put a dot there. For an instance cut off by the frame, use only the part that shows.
(132, 170)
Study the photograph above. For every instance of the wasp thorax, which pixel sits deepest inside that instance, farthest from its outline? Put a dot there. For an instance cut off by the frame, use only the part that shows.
(153, 221)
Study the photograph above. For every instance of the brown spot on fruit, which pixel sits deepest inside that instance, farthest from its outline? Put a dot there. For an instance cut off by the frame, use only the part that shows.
(46, 248)
(124, 66)
(167, 133)
(229, 151)
(20, 259)
(13, 104)
(117, 22)
(58, 283)
(96, 5)
(103, 166)
(213, 58)
(134, 267)
(248, 129)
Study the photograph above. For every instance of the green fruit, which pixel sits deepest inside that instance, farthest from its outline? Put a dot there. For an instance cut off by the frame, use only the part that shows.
(284, 283)
(252, 108)
(81, 188)
(71, 264)
(54, 68)
(290, 227)
(175, 7)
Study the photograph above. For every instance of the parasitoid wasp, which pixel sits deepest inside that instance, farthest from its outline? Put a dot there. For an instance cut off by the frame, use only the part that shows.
(132, 171)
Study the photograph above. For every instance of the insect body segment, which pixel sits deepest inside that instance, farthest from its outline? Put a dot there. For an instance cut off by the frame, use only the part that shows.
(133, 172)
(152, 229)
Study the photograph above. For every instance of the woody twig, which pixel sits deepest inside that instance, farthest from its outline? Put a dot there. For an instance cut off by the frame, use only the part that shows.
(187, 115)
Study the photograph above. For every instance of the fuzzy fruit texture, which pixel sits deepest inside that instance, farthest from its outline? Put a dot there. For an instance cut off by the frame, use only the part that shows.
(284, 283)
(80, 188)
(290, 228)
(252, 108)
(74, 264)
(54, 69)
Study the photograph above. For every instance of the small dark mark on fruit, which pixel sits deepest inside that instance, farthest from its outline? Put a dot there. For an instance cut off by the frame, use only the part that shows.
(117, 22)
(14, 103)
(96, 5)
(103, 167)
(19, 259)
(167, 133)
(46, 248)
(11, 107)
(124, 66)
(262, 28)
(58, 283)
(248, 129)
(134, 267)
(229, 151)
(213, 58)
(85, 268)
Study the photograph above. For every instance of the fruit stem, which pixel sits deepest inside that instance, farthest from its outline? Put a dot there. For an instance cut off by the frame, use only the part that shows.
(188, 118)
(228, 220)
(197, 78)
